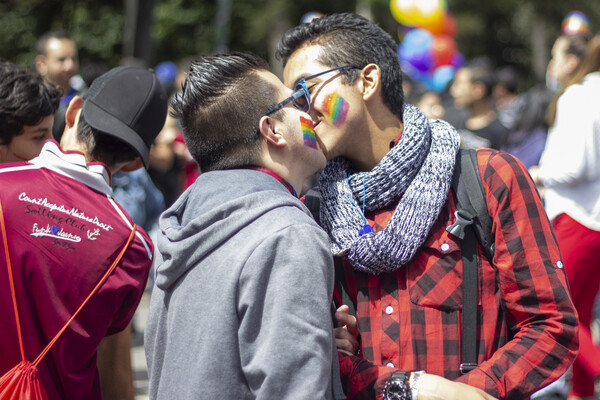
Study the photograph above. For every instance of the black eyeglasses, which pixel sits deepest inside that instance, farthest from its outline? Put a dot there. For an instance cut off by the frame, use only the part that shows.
(301, 96)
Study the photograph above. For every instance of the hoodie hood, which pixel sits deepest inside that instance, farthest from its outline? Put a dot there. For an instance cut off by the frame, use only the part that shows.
(210, 212)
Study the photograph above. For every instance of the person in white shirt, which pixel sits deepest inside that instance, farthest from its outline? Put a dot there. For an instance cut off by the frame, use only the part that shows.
(569, 173)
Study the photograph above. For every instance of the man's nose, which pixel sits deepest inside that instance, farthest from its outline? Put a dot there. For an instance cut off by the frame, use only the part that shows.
(70, 64)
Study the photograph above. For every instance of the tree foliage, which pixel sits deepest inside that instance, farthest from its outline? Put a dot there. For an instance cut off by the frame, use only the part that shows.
(500, 30)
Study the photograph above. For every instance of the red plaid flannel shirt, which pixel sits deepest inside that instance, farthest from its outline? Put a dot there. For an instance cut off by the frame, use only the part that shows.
(411, 319)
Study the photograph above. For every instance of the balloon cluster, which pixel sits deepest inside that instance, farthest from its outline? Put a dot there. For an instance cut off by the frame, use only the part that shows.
(575, 22)
(428, 52)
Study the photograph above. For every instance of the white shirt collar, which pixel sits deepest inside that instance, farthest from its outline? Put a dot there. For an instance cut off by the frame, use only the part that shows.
(73, 164)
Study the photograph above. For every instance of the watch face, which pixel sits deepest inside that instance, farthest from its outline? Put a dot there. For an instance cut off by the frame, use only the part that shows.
(396, 388)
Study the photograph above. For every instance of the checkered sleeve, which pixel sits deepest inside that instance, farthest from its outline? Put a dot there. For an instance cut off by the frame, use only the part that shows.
(362, 379)
(541, 319)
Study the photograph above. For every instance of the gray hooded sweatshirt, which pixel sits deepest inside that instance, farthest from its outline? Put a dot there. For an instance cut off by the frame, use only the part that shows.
(241, 303)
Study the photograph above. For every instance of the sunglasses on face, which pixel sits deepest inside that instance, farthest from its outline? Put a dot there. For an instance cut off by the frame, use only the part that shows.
(301, 97)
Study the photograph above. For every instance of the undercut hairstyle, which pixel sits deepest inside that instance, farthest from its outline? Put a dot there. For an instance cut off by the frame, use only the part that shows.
(104, 147)
(219, 109)
(42, 43)
(350, 39)
(25, 98)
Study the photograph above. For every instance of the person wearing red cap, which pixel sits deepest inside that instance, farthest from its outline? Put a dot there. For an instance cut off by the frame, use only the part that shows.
(62, 230)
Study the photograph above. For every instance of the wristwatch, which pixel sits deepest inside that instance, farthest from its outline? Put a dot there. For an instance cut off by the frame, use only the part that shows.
(396, 387)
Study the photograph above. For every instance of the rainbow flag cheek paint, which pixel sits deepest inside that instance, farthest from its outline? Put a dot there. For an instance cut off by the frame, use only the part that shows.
(336, 108)
(308, 132)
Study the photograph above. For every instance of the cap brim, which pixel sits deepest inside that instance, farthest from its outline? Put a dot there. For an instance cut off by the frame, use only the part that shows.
(101, 120)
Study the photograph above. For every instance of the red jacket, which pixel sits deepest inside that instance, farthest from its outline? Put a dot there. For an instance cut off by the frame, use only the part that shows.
(64, 230)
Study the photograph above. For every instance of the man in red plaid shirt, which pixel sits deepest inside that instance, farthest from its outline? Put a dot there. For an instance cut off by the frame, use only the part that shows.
(386, 203)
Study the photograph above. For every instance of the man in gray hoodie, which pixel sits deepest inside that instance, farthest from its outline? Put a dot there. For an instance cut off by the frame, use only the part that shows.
(241, 303)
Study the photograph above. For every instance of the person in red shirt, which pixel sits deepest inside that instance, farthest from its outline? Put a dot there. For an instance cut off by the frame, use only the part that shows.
(386, 203)
(64, 230)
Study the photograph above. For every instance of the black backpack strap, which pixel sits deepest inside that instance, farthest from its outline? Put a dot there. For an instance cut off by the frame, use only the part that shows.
(469, 285)
(473, 223)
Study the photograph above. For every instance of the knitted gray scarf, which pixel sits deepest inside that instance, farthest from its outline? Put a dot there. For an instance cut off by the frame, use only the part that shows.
(418, 171)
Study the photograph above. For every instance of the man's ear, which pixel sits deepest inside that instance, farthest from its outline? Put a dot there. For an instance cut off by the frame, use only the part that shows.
(132, 165)
(75, 105)
(40, 64)
(369, 81)
(269, 129)
(68, 140)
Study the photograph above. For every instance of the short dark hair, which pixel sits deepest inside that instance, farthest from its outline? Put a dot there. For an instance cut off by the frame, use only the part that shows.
(577, 44)
(43, 40)
(219, 109)
(350, 39)
(508, 77)
(25, 98)
(482, 72)
(103, 147)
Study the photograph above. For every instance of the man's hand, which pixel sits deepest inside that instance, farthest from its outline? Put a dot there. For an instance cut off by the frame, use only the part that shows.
(346, 335)
(433, 387)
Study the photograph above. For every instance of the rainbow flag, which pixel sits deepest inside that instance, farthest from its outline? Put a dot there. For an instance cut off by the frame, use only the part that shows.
(308, 132)
(337, 109)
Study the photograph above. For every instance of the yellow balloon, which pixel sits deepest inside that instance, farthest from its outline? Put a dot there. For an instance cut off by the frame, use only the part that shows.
(426, 14)
(404, 11)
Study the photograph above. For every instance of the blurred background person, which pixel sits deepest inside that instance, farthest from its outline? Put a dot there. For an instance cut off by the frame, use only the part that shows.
(58, 62)
(172, 166)
(569, 172)
(430, 103)
(472, 90)
(27, 106)
(527, 137)
(567, 53)
(506, 95)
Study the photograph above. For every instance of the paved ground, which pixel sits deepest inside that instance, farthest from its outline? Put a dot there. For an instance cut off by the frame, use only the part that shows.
(140, 372)
(138, 359)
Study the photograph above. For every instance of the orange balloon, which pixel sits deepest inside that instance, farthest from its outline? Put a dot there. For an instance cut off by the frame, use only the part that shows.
(445, 25)
(430, 13)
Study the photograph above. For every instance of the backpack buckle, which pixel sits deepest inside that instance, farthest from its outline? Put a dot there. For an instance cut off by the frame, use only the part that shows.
(463, 219)
(467, 367)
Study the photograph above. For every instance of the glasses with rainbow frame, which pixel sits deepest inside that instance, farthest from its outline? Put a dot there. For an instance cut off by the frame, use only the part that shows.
(301, 97)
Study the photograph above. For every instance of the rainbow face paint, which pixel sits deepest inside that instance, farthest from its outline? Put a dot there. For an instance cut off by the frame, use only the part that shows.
(336, 108)
(308, 132)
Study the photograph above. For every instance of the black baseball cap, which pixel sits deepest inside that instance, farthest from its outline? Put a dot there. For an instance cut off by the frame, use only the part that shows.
(128, 103)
